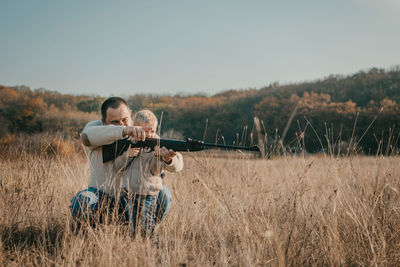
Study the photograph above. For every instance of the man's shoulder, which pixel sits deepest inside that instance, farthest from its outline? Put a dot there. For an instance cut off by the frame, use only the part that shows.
(94, 123)
(86, 129)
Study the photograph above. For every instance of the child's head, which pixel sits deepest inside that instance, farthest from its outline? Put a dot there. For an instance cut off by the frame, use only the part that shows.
(146, 118)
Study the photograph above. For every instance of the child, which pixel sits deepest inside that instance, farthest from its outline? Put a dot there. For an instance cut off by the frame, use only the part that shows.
(140, 173)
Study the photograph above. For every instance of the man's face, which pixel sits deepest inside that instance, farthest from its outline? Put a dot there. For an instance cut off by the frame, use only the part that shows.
(120, 116)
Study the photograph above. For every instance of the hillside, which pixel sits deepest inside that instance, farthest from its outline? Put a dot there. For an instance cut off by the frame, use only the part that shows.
(326, 111)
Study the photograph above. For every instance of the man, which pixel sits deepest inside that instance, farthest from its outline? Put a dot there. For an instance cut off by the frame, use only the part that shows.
(102, 196)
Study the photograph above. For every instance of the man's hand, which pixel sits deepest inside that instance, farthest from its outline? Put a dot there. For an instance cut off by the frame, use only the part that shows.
(139, 133)
(166, 154)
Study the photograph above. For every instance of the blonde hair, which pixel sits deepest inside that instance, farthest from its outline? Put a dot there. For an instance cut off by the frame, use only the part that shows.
(145, 116)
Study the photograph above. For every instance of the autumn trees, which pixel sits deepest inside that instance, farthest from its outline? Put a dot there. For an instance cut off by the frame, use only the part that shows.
(362, 108)
(25, 111)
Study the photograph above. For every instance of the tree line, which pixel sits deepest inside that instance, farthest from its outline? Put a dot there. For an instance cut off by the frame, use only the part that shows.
(359, 111)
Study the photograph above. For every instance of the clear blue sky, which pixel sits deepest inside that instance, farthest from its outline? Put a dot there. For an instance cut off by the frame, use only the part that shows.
(188, 46)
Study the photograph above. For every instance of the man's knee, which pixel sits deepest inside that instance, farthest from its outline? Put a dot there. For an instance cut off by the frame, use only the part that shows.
(84, 203)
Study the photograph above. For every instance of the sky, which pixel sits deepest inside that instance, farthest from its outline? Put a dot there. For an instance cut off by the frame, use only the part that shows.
(190, 47)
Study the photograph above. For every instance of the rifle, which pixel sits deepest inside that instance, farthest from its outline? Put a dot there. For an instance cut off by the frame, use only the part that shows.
(111, 151)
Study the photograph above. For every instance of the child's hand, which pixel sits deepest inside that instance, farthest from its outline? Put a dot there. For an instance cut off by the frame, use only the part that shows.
(166, 154)
(133, 151)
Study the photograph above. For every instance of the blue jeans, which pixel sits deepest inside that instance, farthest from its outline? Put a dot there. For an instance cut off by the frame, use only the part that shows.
(141, 214)
(94, 205)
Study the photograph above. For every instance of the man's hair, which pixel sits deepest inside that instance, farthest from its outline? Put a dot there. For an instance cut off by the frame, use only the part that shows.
(145, 116)
(111, 102)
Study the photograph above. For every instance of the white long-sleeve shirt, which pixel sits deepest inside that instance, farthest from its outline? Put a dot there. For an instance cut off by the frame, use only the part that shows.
(94, 135)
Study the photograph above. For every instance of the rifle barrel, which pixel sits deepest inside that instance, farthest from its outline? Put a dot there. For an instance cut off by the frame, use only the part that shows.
(250, 148)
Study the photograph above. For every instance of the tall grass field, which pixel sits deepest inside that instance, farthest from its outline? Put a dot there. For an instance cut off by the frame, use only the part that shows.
(229, 210)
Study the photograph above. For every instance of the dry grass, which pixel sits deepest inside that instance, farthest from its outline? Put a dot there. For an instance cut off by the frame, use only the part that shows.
(226, 212)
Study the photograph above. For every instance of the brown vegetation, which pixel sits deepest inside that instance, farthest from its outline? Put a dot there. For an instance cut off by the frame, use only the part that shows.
(323, 111)
(226, 211)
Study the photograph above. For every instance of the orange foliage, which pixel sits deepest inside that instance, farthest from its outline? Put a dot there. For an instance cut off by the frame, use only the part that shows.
(389, 105)
(8, 94)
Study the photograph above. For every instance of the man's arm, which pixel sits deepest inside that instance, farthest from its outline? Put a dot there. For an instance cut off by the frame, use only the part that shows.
(96, 134)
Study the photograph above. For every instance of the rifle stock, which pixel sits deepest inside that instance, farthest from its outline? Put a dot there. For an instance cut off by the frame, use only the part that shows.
(111, 151)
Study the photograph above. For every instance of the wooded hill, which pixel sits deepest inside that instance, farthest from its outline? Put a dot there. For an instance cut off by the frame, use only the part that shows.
(361, 108)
